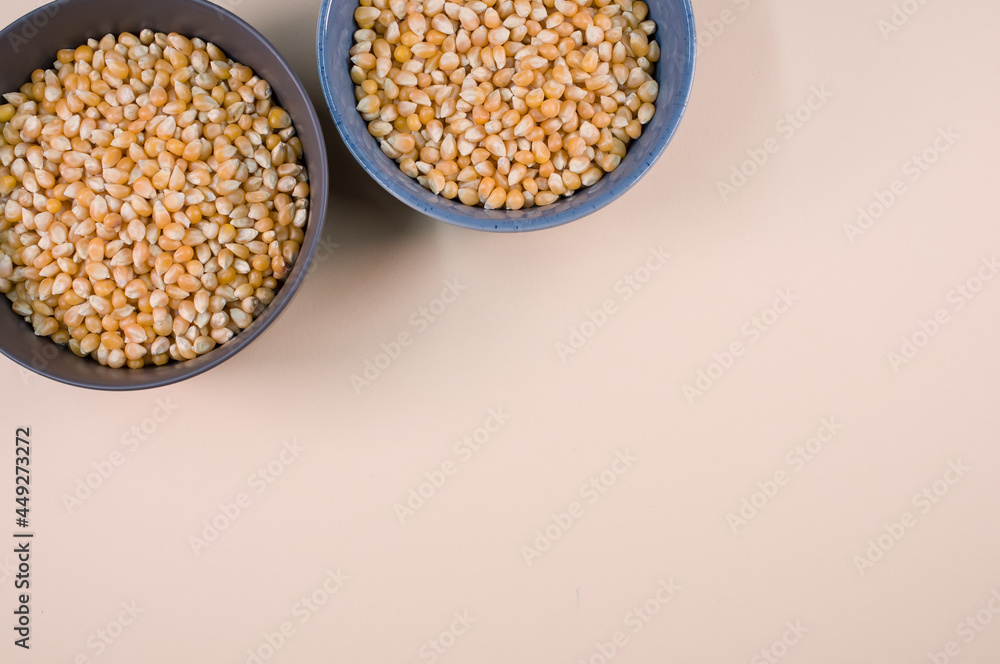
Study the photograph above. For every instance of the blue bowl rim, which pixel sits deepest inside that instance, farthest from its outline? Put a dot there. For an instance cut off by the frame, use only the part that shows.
(558, 217)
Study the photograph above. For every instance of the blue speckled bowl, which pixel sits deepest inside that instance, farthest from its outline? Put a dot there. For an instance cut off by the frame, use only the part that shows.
(674, 73)
(33, 40)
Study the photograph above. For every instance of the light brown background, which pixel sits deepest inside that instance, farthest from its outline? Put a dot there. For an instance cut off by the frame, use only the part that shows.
(496, 347)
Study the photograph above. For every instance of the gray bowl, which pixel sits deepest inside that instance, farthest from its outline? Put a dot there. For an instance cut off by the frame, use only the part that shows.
(32, 41)
(674, 73)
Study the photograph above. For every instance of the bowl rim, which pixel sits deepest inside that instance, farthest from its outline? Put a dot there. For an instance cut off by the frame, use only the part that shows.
(176, 372)
(558, 217)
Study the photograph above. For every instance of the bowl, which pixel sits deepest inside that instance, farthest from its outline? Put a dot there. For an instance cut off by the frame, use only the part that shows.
(32, 41)
(674, 74)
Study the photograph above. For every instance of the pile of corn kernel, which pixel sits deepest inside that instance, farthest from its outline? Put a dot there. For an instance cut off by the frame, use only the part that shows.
(505, 103)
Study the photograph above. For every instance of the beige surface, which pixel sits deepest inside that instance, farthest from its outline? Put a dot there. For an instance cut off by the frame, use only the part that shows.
(655, 527)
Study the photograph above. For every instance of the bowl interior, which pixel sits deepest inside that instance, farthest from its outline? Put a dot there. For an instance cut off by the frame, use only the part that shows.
(32, 42)
(674, 73)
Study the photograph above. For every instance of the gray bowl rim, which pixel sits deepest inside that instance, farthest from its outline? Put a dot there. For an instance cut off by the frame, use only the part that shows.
(565, 211)
(152, 377)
